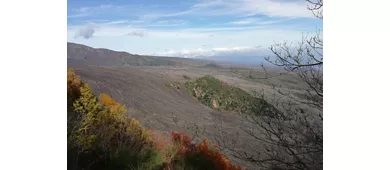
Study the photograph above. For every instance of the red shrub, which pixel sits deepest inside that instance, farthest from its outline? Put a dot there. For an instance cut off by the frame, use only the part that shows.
(184, 141)
(203, 149)
(160, 140)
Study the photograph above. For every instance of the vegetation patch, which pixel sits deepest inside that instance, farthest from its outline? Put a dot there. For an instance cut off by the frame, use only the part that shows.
(212, 65)
(220, 96)
(100, 135)
(186, 77)
(175, 85)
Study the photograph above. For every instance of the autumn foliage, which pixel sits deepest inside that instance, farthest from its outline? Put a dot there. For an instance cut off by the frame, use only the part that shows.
(74, 84)
(201, 156)
(102, 136)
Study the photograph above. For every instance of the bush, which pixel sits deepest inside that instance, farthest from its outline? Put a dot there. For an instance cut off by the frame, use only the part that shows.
(74, 84)
(199, 156)
(103, 136)
(186, 77)
(175, 85)
(220, 96)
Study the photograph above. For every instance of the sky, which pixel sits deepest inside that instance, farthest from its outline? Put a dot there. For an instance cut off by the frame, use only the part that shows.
(215, 29)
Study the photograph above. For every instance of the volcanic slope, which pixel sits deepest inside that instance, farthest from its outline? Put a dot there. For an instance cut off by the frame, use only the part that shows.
(143, 90)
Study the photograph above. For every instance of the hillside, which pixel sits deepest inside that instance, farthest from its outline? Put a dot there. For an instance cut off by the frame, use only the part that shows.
(101, 136)
(78, 53)
(145, 89)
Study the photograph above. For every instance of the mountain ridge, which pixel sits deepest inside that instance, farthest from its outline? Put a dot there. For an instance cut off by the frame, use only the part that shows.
(79, 53)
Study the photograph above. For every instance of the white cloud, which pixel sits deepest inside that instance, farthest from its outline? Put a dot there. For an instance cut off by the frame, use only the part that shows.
(187, 53)
(183, 41)
(245, 21)
(151, 16)
(86, 31)
(253, 7)
(240, 54)
(137, 33)
(137, 23)
(117, 22)
(255, 21)
(271, 8)
(212, 52)
(164, 23)
(92, 10)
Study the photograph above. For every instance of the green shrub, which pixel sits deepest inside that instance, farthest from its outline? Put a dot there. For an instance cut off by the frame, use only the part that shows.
(186, 77)
(175, 85)
(220, 96)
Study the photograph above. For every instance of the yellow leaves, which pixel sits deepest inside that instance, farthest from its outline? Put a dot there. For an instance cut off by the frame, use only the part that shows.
(134, 123)
(86, 103)
(72, 78)
(104, 124)
(133, 127)
(145, 135)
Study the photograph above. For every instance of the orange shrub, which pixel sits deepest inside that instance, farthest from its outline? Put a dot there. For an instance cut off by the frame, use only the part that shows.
(107, 100)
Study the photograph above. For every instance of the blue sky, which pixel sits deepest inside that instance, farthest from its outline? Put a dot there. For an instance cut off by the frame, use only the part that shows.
(192, 28)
